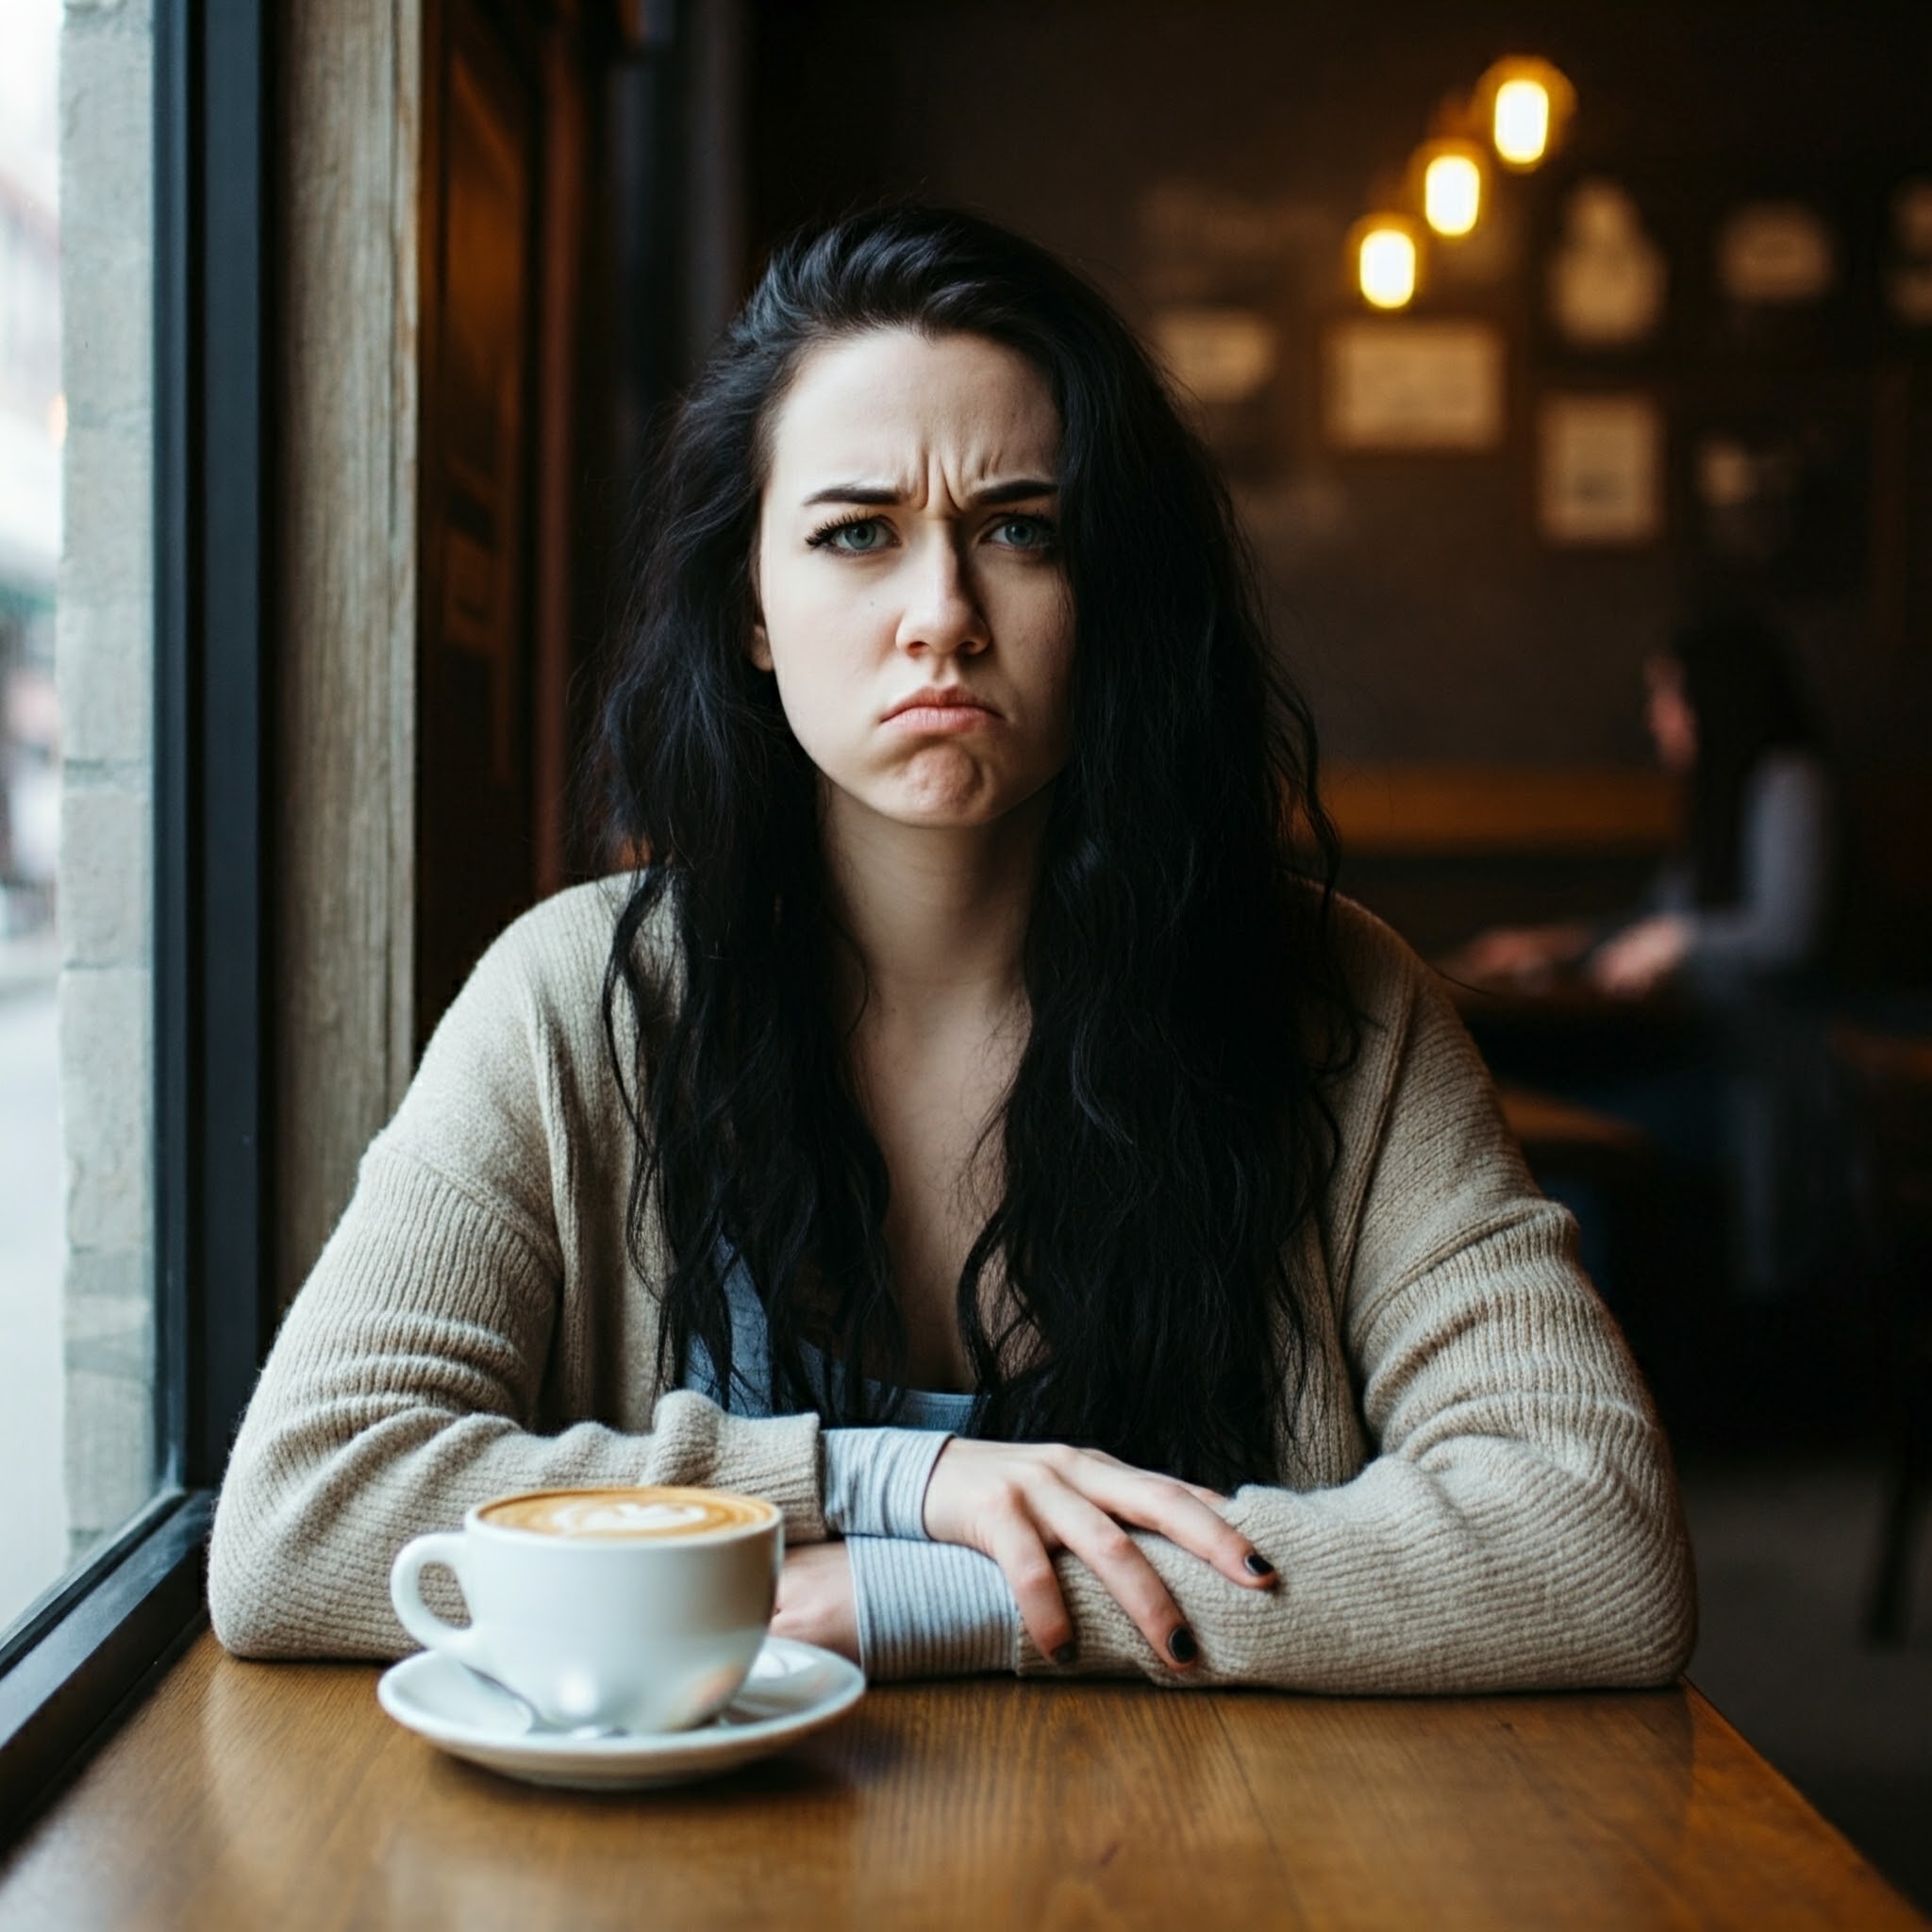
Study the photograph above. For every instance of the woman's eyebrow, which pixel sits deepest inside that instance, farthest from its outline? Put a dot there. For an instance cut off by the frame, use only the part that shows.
(1013, 489)
(855, 493)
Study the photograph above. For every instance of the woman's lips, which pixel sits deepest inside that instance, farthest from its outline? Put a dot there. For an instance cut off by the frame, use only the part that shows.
(939, 718)
(940, 711)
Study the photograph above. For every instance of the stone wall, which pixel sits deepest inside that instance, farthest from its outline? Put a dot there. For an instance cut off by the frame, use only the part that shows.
(104, 658)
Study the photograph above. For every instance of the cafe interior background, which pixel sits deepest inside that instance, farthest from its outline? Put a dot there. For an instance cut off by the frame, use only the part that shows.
(1681, 347)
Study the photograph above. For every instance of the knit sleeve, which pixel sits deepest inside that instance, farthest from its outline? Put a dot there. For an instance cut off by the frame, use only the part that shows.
(927, 1609)
(1517, 1525)
(404, 1384)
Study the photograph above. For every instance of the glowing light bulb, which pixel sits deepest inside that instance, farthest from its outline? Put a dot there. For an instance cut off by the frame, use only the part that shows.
(1452, 193)
(1523, 121)
(1527, 105)
(1386, 264)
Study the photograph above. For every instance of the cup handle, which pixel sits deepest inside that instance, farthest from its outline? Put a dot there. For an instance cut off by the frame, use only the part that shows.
(460, 1641)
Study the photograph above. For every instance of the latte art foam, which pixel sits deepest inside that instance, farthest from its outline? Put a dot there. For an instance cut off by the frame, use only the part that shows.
(628, 1515)
(625, 1519)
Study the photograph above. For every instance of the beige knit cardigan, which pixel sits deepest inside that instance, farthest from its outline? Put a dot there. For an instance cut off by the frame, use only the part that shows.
(1481, 1499)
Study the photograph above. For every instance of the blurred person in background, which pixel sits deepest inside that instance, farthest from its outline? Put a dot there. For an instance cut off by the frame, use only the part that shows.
(1737, 922)
(1745, 898)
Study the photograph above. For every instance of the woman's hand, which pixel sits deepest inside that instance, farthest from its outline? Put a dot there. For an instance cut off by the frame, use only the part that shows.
(1643, 957)
(1020, 1502)
(815, 1599)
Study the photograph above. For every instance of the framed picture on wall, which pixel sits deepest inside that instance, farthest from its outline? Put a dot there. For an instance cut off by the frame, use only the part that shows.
(1600, 468)
(1608, 281)
(1227, 357)
(1400, 385)
(1777, 483)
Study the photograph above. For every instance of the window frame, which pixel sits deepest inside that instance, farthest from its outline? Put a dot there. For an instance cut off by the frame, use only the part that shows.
(85, 1652)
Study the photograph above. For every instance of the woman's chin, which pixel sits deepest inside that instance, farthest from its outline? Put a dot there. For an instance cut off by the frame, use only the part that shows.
(935, 801)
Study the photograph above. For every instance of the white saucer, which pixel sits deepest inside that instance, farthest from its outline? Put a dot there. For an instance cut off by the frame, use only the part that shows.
(793, 1690)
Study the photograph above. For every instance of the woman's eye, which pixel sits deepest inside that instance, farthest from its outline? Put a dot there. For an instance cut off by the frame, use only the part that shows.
(1024, 533)
(866, 533)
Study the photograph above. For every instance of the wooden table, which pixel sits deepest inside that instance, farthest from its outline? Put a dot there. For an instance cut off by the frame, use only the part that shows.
(280, 1796)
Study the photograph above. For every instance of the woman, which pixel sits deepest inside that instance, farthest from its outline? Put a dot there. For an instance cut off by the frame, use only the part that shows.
(1739, 920)
(1747, 899)
(970, 1132)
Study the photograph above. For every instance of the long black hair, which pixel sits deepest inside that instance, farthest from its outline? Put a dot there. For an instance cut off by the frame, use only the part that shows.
(1167, 1134)
(1743, 693)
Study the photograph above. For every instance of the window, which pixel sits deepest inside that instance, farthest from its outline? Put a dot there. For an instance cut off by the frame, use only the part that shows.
(130, 857)
(33, 1254)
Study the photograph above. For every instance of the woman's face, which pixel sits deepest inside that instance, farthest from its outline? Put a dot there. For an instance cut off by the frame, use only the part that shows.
(1667, 711)
(912, 599)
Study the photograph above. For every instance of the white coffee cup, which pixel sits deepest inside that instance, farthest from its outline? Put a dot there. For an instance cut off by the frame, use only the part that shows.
(641, 1608)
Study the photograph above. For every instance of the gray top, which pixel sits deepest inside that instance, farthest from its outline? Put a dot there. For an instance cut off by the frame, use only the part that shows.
(923, 1608)
(1777, 923)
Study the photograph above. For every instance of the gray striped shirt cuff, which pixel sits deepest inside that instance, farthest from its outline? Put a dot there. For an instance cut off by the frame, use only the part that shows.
(927, 1609)
(876, 1479)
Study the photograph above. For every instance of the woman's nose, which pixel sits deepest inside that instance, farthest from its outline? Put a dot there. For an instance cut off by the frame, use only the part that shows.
(942, 611)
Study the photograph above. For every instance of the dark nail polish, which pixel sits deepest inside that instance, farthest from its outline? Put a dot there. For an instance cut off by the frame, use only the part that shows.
(1257, 1564)
(1066, 1654)
(1181, 1645)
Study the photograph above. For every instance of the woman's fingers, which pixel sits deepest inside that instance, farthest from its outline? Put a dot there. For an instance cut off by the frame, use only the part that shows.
(1015, 1544)
(1123, 1571)
(1072, 1458)
(1020, 1501)
(1180, 1513)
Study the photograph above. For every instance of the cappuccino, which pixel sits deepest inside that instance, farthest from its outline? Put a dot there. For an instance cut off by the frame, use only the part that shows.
(628, 1514)
(641, 1608)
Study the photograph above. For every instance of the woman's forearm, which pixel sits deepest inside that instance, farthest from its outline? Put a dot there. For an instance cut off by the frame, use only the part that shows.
(1507, 1571)
(402, 1391)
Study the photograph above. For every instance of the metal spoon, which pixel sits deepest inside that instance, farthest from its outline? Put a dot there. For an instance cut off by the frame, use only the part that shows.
(535, 1722)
